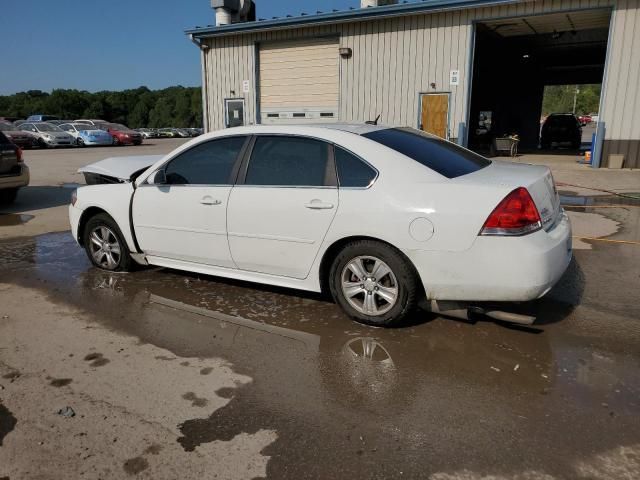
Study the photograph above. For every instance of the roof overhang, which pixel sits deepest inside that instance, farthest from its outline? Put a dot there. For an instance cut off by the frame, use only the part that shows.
(354, 15)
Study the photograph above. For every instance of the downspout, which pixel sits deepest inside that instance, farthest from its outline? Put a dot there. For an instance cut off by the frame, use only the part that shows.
(203, 65)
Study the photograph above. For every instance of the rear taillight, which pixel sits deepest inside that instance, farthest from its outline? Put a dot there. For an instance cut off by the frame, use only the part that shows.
(515, 215)
(19, 154)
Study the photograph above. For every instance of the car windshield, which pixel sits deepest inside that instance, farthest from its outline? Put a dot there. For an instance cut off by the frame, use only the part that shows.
(119, 127)
(562, 120)
(47, 127)
(446, 158)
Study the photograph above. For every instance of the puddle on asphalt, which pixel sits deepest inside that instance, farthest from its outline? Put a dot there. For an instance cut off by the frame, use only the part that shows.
(341, 396)
(13, 219)
(629, 199)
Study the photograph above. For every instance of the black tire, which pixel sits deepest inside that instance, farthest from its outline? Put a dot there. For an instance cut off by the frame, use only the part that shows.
(116, 142)
(123, 262)
(80, 142)
(8, 196)
(406, 279)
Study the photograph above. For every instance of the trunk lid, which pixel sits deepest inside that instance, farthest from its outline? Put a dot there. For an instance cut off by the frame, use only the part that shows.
(537, 179)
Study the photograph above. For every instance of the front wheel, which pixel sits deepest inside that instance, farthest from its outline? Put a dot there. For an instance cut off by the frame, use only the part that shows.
(373, 283)
(105, 245)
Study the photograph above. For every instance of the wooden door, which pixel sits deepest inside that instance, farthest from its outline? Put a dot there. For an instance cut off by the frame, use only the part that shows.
(435, 114)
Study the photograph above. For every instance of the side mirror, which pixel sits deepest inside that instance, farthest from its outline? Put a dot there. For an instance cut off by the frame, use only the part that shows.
(160, 178)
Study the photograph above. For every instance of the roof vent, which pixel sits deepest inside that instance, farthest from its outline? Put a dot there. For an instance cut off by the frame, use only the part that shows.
(233, 11)
(376, 3)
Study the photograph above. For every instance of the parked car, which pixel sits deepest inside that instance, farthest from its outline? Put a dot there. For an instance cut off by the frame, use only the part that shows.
(382, 230)
(594, 117)
(585, 120)
(48, 135)
(561, 129)
(167, 133)
(57, 123)
(87, 135)
(123, 135)
(41, 118)
(95, 121)
(20, 138)
(14, 174)
(147, 132)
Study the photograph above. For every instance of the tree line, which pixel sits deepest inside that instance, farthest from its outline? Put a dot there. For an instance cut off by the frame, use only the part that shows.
(140, 107)
(559, 99)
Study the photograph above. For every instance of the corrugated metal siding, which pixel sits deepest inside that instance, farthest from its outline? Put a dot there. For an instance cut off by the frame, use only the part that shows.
(621, 105)
(396, 59)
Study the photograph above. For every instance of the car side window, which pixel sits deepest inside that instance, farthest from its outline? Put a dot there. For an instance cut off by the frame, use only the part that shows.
(209, 163)
(353, 172)
(289, 162)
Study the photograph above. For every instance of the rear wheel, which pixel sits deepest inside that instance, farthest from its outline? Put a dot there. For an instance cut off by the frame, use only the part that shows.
(105, 245)
(8, 196)
(373, 283)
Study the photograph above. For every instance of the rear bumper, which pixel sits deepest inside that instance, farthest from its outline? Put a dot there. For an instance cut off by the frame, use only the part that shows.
(15, 181)
(510, 269)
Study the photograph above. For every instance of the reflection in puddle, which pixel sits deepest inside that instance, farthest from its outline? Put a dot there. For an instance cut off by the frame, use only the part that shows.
(13, 219)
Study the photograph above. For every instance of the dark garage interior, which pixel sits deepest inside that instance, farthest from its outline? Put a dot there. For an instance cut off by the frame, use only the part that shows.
(516, 58)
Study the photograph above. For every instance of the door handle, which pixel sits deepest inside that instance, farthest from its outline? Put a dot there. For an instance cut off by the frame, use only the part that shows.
(209, 201)
(318, 205)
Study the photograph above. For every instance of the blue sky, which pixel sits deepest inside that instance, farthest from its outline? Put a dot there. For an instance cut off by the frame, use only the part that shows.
(112, 45)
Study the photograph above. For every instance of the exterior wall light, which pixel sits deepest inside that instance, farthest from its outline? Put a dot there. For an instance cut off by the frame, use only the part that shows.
(346, 52)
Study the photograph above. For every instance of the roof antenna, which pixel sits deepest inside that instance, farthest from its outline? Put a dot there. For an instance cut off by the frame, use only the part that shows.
(373, 122)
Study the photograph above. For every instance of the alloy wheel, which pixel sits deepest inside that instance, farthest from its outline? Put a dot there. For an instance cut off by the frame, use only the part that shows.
(369, 285)
(105, 247)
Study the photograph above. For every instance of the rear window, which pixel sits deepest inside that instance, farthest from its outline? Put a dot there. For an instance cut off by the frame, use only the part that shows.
(444, 157)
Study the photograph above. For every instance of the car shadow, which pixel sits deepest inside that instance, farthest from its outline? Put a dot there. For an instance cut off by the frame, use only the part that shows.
(38, 198)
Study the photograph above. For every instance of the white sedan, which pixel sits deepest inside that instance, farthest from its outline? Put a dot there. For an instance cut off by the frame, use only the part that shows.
(381, 217)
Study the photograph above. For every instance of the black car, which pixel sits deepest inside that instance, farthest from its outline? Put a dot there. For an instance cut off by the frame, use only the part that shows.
(14, 174)
(561, 129)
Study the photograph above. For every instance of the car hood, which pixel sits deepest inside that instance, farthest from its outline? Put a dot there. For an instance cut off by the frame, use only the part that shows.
(94, 131)
(121, 168)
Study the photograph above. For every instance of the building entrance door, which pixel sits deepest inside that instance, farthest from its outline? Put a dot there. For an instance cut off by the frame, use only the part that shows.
(434, 117)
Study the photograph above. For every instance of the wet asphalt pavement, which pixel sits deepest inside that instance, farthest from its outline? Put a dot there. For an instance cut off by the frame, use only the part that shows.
(349, 401)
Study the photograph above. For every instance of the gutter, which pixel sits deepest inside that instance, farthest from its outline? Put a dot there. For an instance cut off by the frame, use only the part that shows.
(376, 13)
(203, 67)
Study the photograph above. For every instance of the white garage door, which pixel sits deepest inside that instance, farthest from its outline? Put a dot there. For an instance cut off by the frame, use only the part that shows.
(299, 81)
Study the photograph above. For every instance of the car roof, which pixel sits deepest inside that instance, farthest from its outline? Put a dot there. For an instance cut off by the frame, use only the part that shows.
(355, 128)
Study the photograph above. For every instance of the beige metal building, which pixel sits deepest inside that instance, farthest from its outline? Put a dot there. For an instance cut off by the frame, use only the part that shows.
(452, 67)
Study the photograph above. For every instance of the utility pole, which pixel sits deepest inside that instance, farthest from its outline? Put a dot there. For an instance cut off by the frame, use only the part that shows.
(575, 99)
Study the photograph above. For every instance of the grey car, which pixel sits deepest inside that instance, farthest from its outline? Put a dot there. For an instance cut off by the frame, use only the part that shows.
(49, 135)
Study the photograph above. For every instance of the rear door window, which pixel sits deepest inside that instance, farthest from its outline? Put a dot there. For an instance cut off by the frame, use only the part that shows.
(289, 162)
(443, 157)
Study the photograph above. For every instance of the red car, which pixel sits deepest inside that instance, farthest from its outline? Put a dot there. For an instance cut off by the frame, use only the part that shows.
(585, 119)
(123, 135)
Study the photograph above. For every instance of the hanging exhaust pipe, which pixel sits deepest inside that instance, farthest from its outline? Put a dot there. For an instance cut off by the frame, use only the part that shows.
(465, 311)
